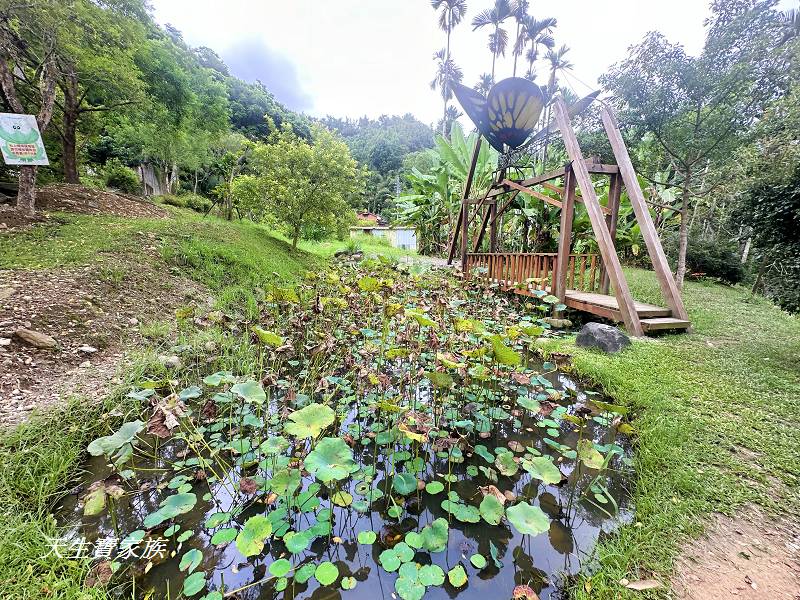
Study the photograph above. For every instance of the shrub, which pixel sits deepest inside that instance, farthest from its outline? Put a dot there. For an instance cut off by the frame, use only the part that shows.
(196, 202)
(715, 258)
(173, 200)
(118, 176)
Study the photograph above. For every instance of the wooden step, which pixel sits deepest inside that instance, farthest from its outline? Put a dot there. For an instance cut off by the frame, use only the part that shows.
(664, 323)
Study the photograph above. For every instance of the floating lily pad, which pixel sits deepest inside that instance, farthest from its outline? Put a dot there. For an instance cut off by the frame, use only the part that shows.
(331, 460)
(191, 560)
(434, 487)
(528, 519)
(367, 537)
(457, 576)
(250, 391)
(224, 536)
(542, 468)
(506, 464)
(404, 483)
(326, 573)
(280, 567)
(491, 510)
(310, 421)
(478, 561)
(250, 540)
(194, 583)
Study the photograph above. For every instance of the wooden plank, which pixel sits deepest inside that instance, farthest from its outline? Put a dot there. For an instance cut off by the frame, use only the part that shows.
(493, 227)
(530, 181)
(553, 188)
(534, 193)
(669, 289)
(607, 250)
(482, 230)
(565, 237)
(612, 218)
(464, 196)
(665, 323)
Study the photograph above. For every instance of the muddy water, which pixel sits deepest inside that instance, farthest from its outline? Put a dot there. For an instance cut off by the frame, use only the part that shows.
(541, 562)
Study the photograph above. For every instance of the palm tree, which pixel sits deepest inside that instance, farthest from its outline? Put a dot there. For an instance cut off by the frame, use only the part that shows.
(537, 33)
(485, 83)
(791, 25)
(453, 12)
(447, 73)
(557, 63)
(498, 39)
(451, 115)
(519, 10)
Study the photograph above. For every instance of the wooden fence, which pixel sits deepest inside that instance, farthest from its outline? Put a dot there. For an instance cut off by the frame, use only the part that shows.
(534, 271)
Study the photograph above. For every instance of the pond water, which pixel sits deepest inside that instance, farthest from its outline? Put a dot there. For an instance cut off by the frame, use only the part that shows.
(210, 462)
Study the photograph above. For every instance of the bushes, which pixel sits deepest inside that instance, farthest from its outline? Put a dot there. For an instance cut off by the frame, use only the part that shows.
(118, 176)
(715, 258)
(194, 201)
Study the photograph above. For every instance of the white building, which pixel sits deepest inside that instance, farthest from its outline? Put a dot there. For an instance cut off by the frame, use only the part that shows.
(398, 237)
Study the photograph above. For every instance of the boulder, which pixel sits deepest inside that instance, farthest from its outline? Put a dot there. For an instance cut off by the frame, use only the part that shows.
(36, 338)
(603, 337)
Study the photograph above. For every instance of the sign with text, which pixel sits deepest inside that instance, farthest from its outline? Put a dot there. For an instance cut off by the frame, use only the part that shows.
(20, 140)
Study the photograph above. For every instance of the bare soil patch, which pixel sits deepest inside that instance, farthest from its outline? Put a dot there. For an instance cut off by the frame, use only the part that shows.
(93, 313)
(750, 556)
(81, 200)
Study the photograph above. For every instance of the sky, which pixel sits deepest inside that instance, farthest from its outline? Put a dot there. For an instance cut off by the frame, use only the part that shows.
(351, 58)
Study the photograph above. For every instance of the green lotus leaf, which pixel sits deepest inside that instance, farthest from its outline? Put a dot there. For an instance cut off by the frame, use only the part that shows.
(109, 444)
(484, 453)
(331, 460)
(503, 354)
(409, 589)
(442, 381)
(217, 519)
(491, 510)
(326, 573)
(269, 338)
(342, 498)
(250, 391)
(404, 483)
(434, 535)
(297, 542)
(367, 537)
(95, 501)
(404, 552)
(506, 464)
(250, 540)
(478, 561)
(308, 422)
(305, 572)
(431, 575)
(457, 576)
(414, 539)
(219, 378)
(389, 560)
(530, 403)
(542, 468)
(589, 455)
(275, 444)
(224, 536)
(467, 514)
(528, 519)
(194, 583)
(191, 560)
(285, 481)
(434, 487)
(280, 567)
(495, 554)
(348, 583)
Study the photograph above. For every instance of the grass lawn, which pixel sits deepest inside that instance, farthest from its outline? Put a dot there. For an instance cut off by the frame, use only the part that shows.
(717, 424)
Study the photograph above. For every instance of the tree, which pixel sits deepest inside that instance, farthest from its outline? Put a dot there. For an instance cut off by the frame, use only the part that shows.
(453, 12)
(537, 34)
(304, 183)
(28, 42)
(494, 17)
(697, 107)
(447, 73)
(484, 84)
(519, 10)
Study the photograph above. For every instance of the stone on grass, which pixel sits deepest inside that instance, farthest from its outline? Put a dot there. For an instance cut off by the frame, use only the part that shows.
(603, 337)
(36, 338)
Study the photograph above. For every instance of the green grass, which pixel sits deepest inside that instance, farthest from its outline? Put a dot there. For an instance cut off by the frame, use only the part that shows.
(366, 243)
(716, 419)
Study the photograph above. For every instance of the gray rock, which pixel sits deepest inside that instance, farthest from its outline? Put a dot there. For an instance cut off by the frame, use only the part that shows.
(36, 338)
(603, 337)
(171, 362)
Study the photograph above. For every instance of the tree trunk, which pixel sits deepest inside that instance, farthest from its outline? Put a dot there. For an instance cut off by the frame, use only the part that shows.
(444, 86)
(26, 194)
(746, 251)
(69, 136)
(295, 237)
(683, 240)
(525, 229)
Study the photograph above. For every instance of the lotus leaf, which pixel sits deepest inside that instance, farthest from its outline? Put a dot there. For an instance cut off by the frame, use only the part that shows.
(542, 468)
(491, 510)
(326, 573)
(528, 519)
(503, 354)
(434, 487)
(506, 464)
(194, 583)
(109, 444)
(348, 583)
(431, 575)
(250, 391)
(589, 455)
(280, 567)
(478, 561)
(404, 483)
(275, 444)
(297, 542)
(389, 560)
(367, 537)
(191, 560)
(409, 589)
(440, 380)
(457, 576)
(224, 536)
(309, 422)
(331, 460)
(530, 403)
(219, 378)
(267, 337)
(434, 535)
(250, 540)
(305, 572)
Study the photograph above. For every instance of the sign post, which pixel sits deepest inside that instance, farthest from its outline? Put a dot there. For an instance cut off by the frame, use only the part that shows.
(20, 140)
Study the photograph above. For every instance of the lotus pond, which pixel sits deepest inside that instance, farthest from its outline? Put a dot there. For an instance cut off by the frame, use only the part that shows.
(398, 439)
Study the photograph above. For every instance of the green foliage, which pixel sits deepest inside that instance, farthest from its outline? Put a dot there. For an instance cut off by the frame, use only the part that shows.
(118, 176)
(715, 258)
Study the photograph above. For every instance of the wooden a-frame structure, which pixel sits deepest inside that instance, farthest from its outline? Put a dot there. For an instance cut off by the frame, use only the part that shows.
(580, 281)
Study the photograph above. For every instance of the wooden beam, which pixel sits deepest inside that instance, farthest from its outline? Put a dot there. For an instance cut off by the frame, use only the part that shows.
(565, 238)
(493, 227)
(553, 188)
(530, 181)
(614, 193)
(464, 196)
(535, 194)
(493, 214)
(669, 289)
(487, 213)
(607, 250)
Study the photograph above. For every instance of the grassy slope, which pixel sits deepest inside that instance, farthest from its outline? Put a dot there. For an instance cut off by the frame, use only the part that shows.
(40, 459)
(717, 423)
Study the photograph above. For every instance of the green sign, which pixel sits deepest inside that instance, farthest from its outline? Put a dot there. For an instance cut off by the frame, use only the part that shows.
(20, 140)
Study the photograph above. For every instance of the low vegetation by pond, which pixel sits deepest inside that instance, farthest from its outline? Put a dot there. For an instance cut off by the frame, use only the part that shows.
(387, 430)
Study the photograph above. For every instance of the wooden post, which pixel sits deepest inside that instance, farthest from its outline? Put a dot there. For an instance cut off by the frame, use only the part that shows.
(464, 236)
(565, 237)
(607, 250)
(614, 193)
(464, 224)
(663, 273)
(493, 227)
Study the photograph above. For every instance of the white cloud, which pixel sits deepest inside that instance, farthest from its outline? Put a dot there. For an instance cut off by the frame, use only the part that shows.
(372, 57)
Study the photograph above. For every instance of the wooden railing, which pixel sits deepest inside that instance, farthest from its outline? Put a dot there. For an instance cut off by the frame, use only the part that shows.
(534, 271)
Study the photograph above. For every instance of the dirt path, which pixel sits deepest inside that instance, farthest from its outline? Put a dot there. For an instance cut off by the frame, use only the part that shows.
(91, 314)
(750, 556)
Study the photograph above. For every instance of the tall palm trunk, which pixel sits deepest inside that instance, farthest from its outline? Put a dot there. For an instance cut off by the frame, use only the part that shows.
(494, 50)
(445, 82)
(516, 44)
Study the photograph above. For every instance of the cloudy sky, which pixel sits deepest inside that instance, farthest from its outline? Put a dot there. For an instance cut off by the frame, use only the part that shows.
(373, 57)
